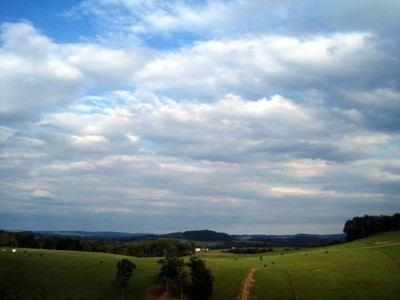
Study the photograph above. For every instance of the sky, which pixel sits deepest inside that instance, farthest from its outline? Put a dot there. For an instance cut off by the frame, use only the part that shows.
(269, 117)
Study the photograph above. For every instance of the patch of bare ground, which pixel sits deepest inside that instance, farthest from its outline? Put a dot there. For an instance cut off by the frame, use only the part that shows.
(383, 243)
(245, 292)
(157, 292)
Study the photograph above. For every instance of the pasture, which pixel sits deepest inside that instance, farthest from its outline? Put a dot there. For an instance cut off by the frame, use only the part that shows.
(368, 268)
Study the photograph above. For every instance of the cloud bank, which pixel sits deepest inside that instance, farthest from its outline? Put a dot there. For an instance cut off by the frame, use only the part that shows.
(235, 116)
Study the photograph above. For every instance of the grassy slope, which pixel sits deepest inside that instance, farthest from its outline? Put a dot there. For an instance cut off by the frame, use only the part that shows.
(346, 271)
(68, 275)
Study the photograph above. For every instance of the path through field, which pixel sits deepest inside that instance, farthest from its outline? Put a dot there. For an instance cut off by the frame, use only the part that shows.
(372, 246)
(245, 292)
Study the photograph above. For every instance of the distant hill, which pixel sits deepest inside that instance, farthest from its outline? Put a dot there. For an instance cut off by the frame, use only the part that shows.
(297, 240)
(201, 236)
(245, 240)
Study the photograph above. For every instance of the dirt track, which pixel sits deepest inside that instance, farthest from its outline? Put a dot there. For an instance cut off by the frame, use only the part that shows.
(245, 292)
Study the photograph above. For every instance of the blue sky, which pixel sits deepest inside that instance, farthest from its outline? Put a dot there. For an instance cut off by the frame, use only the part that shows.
(48, 17)
(237, 116)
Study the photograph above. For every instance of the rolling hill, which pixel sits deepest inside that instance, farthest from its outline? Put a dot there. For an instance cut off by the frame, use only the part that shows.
(366, 268)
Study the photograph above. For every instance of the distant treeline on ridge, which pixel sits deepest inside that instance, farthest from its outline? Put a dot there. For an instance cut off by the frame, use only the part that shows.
(149, 248)
(360, 227)
(185, 243)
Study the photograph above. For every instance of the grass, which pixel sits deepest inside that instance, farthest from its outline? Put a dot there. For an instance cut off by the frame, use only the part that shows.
(347, 271)
(272, 284)
(66, 274)
(368, 268)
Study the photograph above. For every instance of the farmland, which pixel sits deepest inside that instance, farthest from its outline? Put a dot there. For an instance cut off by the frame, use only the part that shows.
(367, 268)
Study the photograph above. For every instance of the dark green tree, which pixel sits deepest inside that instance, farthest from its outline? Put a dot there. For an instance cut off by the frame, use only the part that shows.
(4, 239)
(16, 239)
(124, 273)
(202, 280)
(41, 241)
(182, 277)
(360, 227)
(171, 268)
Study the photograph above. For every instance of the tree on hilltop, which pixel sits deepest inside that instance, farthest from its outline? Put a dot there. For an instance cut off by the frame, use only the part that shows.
(360, 227)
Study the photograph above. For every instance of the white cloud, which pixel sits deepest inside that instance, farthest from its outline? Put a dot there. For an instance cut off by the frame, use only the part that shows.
(260, 64)
(231, 129)
(88, 140)
(34, 75)
(105, 67)
(38, 74)
(42, 194)
(217, 18)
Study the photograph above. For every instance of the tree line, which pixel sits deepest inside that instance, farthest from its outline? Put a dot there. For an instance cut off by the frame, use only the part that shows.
(360, 227)
(149, 248)
(253, 250)
(291, 241)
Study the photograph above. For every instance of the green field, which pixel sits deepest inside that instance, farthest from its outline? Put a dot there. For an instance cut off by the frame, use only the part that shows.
(364, 269)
